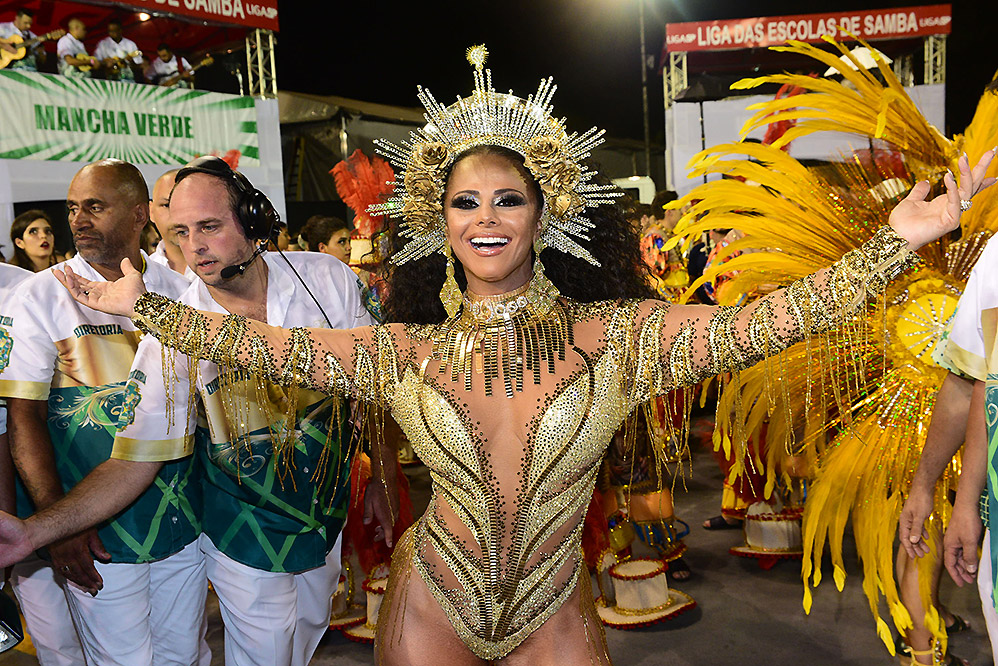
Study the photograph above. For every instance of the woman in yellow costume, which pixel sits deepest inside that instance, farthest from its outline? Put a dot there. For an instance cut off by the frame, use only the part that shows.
(854, 404)
(512, 390)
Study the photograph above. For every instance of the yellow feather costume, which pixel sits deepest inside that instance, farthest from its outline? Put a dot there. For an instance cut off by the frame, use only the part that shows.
(855, 403)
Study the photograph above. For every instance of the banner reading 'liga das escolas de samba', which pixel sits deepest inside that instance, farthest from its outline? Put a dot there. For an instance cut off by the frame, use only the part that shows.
(47, 117)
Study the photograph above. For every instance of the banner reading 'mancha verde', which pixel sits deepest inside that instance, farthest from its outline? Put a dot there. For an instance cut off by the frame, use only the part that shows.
(49, 117)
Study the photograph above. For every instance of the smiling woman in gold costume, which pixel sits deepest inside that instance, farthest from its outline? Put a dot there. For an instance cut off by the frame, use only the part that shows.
(512, 396)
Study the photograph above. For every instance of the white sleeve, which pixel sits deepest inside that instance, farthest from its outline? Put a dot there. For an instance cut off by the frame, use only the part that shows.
(28, 351)
(157, 418)
(965, 344)
(352, 297)
(65, 47)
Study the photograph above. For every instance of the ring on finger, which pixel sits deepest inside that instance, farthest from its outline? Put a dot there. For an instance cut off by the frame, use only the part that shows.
(965, 205)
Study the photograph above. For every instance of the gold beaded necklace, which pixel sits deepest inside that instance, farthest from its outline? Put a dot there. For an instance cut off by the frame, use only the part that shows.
(505, 335)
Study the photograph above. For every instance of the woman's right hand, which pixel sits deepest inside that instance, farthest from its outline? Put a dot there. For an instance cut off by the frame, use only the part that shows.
(114, 298)
(919, 221)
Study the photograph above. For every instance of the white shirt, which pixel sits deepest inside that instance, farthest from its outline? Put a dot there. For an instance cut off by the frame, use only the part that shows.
(10, 277)
(77, 360)
(8, 30)
(288, 305)
(162, 70)
(70, 46)
(965, 347)
(108, 48)
(159, 256)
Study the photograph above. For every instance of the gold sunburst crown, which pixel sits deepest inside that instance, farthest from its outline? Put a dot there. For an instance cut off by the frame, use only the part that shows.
(477, 55)
(526, 126)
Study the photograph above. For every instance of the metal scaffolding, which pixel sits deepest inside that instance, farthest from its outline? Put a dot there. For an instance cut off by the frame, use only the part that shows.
(935, 59)
(676, 79)
(261, 64)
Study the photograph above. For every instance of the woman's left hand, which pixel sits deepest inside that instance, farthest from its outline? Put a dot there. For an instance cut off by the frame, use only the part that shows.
(919, 221)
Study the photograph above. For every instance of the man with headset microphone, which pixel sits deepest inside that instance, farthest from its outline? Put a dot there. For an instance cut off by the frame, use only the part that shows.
(275, 489)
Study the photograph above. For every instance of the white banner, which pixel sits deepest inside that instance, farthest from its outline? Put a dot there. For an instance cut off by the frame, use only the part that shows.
(81, 120)
(723, 119)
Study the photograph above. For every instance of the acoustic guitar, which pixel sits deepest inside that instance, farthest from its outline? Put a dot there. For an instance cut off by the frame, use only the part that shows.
(23, 46)
(175, 78)
(114, 65)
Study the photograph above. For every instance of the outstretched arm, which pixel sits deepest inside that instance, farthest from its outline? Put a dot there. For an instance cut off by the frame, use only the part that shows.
(703, 341)
(357, 362)
(697, 342)
(106, 490)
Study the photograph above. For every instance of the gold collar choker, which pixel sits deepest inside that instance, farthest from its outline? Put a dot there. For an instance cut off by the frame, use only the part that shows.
(504, 307)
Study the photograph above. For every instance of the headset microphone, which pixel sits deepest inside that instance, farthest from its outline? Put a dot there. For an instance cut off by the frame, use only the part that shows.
(255, 213)
(238, 269)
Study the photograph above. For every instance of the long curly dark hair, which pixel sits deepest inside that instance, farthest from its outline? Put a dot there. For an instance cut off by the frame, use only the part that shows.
(413, 294)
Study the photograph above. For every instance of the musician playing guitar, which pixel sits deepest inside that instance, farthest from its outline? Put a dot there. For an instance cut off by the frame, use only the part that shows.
(20, 29)
(166, 68)
(118, 54)
(74, 61)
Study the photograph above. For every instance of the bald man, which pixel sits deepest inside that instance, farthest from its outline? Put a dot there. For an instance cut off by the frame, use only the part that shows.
(74, 61)
(168, 251)
(68, 389)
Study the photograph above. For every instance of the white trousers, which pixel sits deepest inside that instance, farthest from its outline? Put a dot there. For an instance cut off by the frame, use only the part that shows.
(146, 614)
(41, 594)
(271, 619)
(985, 586)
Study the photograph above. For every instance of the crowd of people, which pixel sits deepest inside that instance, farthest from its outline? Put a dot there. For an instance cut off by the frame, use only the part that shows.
(139, 582)
(185, 401)
(115, 57)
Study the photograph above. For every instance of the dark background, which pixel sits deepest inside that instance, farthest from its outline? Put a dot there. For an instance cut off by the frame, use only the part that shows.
(380, 51)
(591, 47)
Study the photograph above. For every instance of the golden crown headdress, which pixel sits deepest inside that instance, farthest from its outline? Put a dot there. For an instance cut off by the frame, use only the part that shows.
(552, 155)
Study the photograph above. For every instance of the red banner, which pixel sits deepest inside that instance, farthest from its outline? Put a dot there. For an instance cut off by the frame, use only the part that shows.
(248, 13)
(874, 24)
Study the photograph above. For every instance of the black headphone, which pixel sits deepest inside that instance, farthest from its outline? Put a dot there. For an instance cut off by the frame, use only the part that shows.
(257, 216)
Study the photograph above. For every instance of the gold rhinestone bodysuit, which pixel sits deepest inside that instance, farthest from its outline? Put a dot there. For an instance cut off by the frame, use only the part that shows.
(511, 405)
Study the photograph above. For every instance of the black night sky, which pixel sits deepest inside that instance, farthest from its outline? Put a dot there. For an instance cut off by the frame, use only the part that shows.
(379, 51)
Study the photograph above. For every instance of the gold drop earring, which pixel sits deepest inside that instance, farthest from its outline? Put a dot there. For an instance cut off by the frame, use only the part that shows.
(450, 293)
